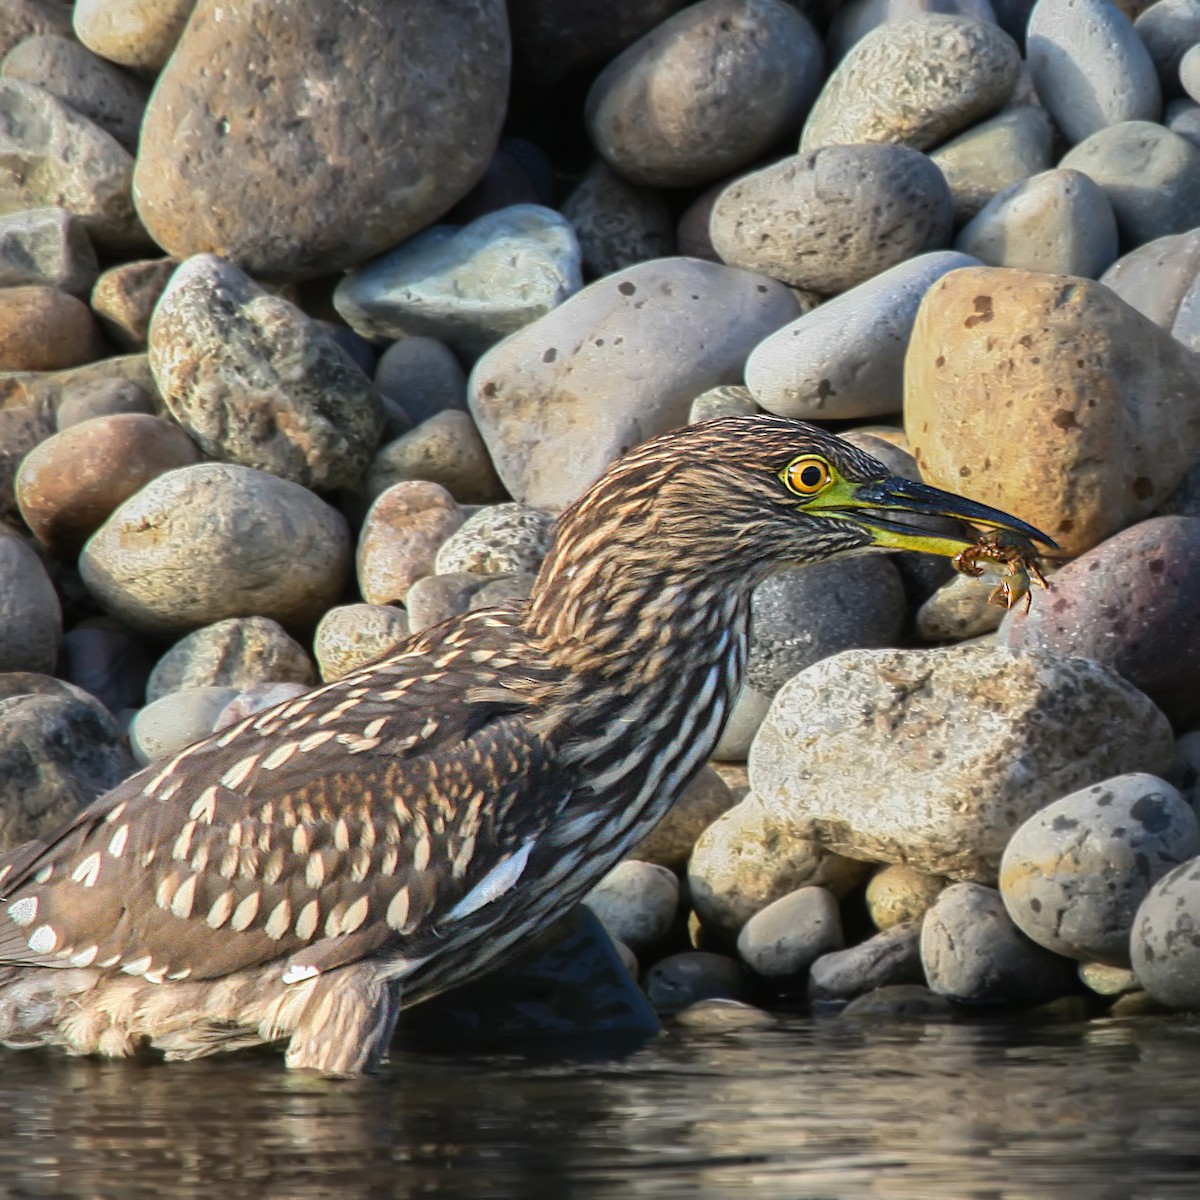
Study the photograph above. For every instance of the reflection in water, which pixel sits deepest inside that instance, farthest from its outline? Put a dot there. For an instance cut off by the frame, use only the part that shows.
(812, 1109)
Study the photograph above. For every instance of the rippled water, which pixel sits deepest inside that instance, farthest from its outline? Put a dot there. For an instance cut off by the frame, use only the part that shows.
(810, 1109)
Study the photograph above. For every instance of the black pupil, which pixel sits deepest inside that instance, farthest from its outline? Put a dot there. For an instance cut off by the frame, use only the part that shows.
(811, 477)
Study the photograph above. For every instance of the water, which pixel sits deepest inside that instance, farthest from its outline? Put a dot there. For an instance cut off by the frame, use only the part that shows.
(810, 1109)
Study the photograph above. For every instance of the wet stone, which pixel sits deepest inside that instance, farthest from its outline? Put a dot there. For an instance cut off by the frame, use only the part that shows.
(176, 720)
(889, 958)
(47, 247)
(499, 539)
(681, 980)
(352, 635)
(1107, 980)
(785, 938)
(900, 1002)
(722, 1016)
(636, 902)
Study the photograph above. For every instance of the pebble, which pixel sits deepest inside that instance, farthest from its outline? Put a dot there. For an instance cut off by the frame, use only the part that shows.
(1106, 980)
(216, 540)
(869, 752)
(498, 540)
(1167, 29)
(1183, 117)
(835, 217)
(237, 653)
(971, 951)
(125, 297)
(618, 362)
(257, 382)
(1164, 948)
(785, 938)
(852, 21)
(43, 329)
(466, 287)
(747, 858)
(993, 155)
(876, 95)
(888, 959)
(1089, 66)
(1189, 73)
(400, 538)
(32, 625)
(288, 183)
(20, 19)
(900, 1002)
(845, 359)
(1159, 279)
(723, 1016)
(671, 842)
(257, 698)
(46, 247)
(140, 36)
(681, 980)
(749, 709)
(501, 589)
(1021, 389)
(733, 400)
(445, 449)
(958, 610)
(70, 484)
(107, 661)
(693, 75)
(437, 597)
(352, 635)
(423, 375)
(899, 895)
(176, 720)
(57, 753)
(636, 902)
(1150, 175)
(1058, 221)
(101, 398)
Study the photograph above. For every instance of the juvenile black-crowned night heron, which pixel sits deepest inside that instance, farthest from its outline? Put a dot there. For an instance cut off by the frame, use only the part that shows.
(309, 871)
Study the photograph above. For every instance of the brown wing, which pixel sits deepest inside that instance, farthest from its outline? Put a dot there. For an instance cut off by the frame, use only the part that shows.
(349, 820)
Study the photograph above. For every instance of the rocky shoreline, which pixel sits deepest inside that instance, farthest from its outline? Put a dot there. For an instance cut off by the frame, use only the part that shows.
(312, 317)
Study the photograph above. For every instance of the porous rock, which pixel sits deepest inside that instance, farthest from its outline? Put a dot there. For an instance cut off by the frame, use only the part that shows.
(499, 539)
(351, 635)
(46, 246)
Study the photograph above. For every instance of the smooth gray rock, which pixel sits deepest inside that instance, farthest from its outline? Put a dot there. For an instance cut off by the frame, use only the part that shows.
(1160, 280)
(636, 902)
(742, 724)
(835, 217)
(1183, 117)
(352, 635)
(437, 597)
(617, 363)
(32, 626)
(1167, 29)
(790, 934)
(1074, 874)
(971, 951)
(499, 539)
(1165, 943)
(103, 398)
(467, 287)
(845, 359)
(1059, 221)
(1150, 175)
(423, 376)
(48, 247)
(934, 757)
(684, 979)
(958, 610)
(889, 959)
(733, 400)
(176, 720)
(1189, 73)
(1106, 980)
(882, 92)
(898, 895)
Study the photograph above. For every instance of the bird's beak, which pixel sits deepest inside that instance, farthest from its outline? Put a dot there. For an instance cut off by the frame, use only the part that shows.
(881, 506)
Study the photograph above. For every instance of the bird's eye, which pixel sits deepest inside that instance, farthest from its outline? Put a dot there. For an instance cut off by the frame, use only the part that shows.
(807, 475)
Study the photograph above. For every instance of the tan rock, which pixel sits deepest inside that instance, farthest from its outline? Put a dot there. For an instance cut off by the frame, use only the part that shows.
(1049, 397)
(672, 840)
(125, 296)
(134, 33)
(43, 329)
(20, 19)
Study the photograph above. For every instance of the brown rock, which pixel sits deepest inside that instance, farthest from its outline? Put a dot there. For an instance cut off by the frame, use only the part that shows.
(330, 133)
(134, 33)
(671, 842)
(1047, 396)
(125, 296)
(70, 484)
(43, 329)
(102, 398)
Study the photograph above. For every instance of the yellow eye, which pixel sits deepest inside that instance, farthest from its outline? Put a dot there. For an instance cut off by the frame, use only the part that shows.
(807, 475)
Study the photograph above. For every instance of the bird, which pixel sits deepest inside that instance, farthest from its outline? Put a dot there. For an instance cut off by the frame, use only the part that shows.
(302, 875)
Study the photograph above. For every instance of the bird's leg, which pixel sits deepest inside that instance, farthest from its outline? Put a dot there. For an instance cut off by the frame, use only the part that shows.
(347, 1023)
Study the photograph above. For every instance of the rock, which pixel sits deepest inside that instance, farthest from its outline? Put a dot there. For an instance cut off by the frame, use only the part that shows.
(1090, 67)
(731, 401)
(746, 859)
(791, 933)
(1150, 175)
(994, 155)
(915, 83)
(57, 753)
(466, 287)
(43, 329)
(1159, 280)
(437, 597)
(32, 625)
(71, 483)
(1189, 73)
(329, 134)
(20, 19)
(723, 1016)
(423, 375)
(51, 155)
(742, 724)
(852, 21)
(835, 217)
(258, 383)
(257, 698)
(705, 92)
(1183, 117)
(1059, 221)
(499, 539)
(972, 951)
(125, 297)
(236, 653)
(685, 979)
(203, 543)
(845, 359)
(900, 1002)
(106, 661)
(46, 247)
(636, 903)
(617, 223)
(1105, 980)
(139, 35)
(167, 725)
(899, 895)
(500, 589)
(103, 398)
(958, 610)
(934, 757)
(1164, 948)
(1047, 395)
(445, 449)
(352, 635)
(1131, 603)
(1073, 874)
(92, 86)
(889, 959)
(617, 363)
(1167, 29)
(671, 842)
(400, 538)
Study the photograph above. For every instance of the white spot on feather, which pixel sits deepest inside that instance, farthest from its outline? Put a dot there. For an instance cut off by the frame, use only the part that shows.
(84, 958)
(43, 940)
(205, 807)
(116, 844)
(500, 879)
(245, 912)
(298, 972)
(88, 871)
(23, 911)
(279, 755)
(137, 966)
(237, 774)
